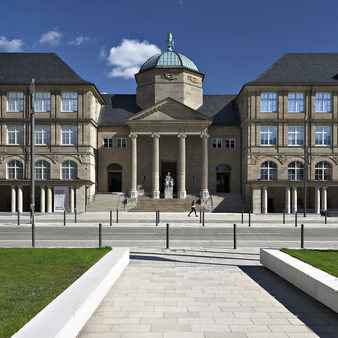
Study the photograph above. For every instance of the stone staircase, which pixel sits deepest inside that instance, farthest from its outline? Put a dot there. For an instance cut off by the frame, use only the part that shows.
(230, 202)
(106, 202)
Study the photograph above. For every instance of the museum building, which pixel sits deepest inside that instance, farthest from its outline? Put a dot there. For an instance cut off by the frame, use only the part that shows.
(249, 144)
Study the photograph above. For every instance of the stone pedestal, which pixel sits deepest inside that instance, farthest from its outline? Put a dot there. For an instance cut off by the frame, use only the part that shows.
(168, 193)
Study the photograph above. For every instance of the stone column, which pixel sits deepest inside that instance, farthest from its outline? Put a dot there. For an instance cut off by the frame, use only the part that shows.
(49, 199)
(42, 199)
(133, 187)
(71, 199)
(264, 200)
(317, 200)
(13, 198)
(287, 200)
(324, 199)
(204, 177)
(20, 198)
(256, 200)
(181, 166)
(156, 165)
(294, 199)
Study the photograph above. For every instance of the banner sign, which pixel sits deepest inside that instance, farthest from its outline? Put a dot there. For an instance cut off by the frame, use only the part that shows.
(61, 199)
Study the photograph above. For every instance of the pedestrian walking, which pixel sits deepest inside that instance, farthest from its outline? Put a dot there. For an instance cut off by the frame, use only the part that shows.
(193, 208)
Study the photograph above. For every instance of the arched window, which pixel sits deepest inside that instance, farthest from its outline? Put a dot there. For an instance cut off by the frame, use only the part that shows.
(42, 170)
(69, 170)
(15, 170)
(223, 167)
(115, 167)
(296, 171)
(268, 171)
(323, 171)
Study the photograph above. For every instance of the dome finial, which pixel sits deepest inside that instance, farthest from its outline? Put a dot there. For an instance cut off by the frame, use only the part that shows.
(170, 42)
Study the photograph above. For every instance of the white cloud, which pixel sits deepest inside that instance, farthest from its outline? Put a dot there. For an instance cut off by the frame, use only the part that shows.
(103, 54)
(127, 58)
(14, 45)
(52, 38)
(79, 40)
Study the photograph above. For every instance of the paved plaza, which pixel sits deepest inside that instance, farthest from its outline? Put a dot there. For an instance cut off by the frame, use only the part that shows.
(206, 293)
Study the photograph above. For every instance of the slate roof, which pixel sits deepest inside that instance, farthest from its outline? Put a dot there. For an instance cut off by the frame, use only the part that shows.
(45, 68)
(301, 69)
(119, 107)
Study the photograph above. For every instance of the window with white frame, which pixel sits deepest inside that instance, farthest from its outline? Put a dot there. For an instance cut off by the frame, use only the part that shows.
(15, 135)
(69, 170)
(269, 102)
(323, 171)
(230, 143)
(268, 171)
(42, 135)
(322, 136)
(15, 101)
(323, 102)
(42, 102)
(121, 143)
(69, 135)
(296, 102)
(268, 135)
(216, 143)
(296, 171)
(42, 170)
(69, 102)
(15, 170)
(295, 136)
(108, 143)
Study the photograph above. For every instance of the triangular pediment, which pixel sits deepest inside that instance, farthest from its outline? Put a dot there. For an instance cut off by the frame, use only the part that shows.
(168, 110)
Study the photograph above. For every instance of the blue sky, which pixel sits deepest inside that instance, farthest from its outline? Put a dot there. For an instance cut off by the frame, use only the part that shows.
(232, 42)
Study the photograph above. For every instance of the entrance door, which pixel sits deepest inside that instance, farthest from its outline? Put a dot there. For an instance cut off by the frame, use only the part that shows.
(115, 182)
(169, 167)
(223, 182)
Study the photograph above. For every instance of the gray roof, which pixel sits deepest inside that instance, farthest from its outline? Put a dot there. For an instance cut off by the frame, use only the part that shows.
(45, 68)
(301, 69)
(119, 107)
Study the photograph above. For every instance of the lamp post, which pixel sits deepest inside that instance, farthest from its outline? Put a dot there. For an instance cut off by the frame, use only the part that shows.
(32, 206)
(305, 164)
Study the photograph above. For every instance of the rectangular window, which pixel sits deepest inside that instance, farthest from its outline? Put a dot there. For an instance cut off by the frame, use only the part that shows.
(108, 143)
(42, 102)
(216, 143)
(15, 101)
(15, 135)
(69, 135)
(323, 136)
(121, 143)
(69, 102)
(323, 102)
(269, 102)
(230, 143)
(296, 102)
(295, 136)
(268, 136)
(42, 135)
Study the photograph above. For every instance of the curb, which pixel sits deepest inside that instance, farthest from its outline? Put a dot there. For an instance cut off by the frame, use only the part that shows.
(67, 314)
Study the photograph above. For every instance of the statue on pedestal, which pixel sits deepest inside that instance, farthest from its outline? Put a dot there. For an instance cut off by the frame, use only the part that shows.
(168, 186)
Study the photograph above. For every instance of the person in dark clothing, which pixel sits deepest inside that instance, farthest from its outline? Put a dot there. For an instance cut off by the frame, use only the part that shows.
(193, 208)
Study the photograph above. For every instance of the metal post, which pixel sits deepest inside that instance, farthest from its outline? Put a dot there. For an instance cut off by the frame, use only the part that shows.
(242, 216)
(200, 215)
(32, 171)
(156, 218)
(158, 215)
(100, 235)
(283, 216)
(75, 215)
(302, 236)
(326, 216)
(235, 240)
(64, 217)
(117, 215)
(305, 164)
(18, 217)
(111, 217)
(249, 218)
(296, 219)
(203, 219)
(33, 235)
(167, 235)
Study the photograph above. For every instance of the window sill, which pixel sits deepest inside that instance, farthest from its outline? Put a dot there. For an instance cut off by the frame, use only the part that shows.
(75, 111)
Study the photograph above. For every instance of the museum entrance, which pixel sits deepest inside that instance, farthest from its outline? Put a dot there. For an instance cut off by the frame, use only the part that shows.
(114, 177)
(171, 168)
(223, 172)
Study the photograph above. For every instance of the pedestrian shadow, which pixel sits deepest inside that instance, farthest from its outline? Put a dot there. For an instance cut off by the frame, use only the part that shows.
(319, 318)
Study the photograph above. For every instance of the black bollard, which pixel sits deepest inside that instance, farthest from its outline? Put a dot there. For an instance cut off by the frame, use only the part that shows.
(64, 217)
(302, 236)
(200, 215)
(250, 218)
(156, 216)
(75, 215)
(110, 217)
(284, 216)
(296, 219)
(167, 235)
(325, 216)
(100, 235)
(33, 235)
(235, 240)
(18, 217)
(117, 215)
(203, 219)
(242, 216)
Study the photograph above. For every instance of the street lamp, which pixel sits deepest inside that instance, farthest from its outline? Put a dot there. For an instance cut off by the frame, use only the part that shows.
(305, 165)
(32, 206)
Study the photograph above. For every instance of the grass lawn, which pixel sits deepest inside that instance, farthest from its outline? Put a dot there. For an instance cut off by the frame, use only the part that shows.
(31, 278)
(326, 260)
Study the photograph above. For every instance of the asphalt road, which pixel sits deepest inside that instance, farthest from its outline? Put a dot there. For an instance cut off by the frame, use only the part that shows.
(180, 237)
